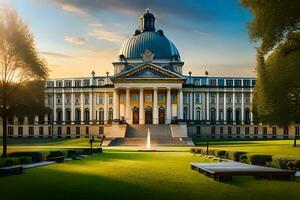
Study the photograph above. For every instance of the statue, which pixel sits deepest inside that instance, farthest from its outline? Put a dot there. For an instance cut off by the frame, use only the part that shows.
(147, 56)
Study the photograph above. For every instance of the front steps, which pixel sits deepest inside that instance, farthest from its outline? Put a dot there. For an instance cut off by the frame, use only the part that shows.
(161, 135)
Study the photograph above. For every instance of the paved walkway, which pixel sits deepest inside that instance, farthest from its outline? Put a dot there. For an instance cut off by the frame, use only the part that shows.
(39, 164)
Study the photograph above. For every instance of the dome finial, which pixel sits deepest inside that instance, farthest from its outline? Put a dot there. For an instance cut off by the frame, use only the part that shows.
(147, 21)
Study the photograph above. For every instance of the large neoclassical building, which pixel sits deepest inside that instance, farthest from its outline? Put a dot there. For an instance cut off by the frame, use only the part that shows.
(148, 89)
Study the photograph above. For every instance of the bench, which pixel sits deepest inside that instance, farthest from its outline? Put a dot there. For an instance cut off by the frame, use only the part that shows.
(11, 170)
(224, 171)
(58, 159)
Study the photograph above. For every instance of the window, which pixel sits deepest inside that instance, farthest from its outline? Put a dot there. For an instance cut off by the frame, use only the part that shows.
(86, 83)
(87, 130)
(238, 100)
(274, 130)
(198, 98)
(247, 100)
(101, 99)
(221, 82)
(246, 83)
(110, 99)
(58, 83)
(77, 83)
(49, 131)
(285, 130)
(68, 83)
(101, 130)
(247, 130)
(134, 97)
(238, 130)
(68, 100)
(173, 98)
(265, 130)
(148, 97)
(213, 130)
(229, 83)
(10, 130)
(58, 99)
(50, 83)
(185, 98)
(221, 130)
(59, 130)
(161, 98)
(68, 130)
(86, 99)
(77, 130)
(100, 82)
(197, 82)
(41, 130)
(212, 82)
(237, 83)
(229, 100)
(20, 131)
(213, 99)
(229, 130)
(256, 130)
(30, 131)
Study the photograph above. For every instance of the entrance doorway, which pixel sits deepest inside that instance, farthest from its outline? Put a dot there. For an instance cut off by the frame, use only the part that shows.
(148, 115)
(161, 115)
(135, 115)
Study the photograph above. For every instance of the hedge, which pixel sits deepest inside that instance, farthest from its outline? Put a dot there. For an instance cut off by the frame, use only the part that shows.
(74, 152)
(87, 151)
(6, 162)
(256, 159)
(53, 154)
(284, 163)
(220, 153)
(35, 156)
(25, 160)
(234, 155)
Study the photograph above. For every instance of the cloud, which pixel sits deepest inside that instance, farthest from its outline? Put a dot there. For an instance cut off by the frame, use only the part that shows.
(101, 32)
(75, 40)
(69, 7)
(55, 54)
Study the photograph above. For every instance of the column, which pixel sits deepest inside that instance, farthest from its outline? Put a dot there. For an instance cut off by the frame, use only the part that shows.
(224, 107)
(155, 108)
(127, 114)
(105, 107)
(207, 106)
(81, 106)
(218, 108)
(141, 107)
(54, 107)
(72, 106)
(243, 107)
(180, 104)
(116, 109)
(169, 107)
(233, 107)
(91, 107)
(251, 114)
(63, 106)
(191, 106)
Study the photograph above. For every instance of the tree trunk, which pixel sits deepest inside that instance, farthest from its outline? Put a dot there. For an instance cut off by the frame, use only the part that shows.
(295, 141)
(4, 129)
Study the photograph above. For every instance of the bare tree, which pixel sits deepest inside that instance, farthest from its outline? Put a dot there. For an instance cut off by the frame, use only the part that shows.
(20, 63)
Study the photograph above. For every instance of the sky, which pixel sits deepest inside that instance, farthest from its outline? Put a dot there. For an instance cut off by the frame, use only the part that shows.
(78, 36)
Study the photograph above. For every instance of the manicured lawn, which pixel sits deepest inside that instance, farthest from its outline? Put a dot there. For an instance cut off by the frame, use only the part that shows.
(122, 174)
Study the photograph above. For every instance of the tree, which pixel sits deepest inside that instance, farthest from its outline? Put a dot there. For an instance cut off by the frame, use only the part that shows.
(20, 65)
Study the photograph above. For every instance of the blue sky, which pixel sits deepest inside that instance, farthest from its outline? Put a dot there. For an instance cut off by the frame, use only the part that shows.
(78, 36)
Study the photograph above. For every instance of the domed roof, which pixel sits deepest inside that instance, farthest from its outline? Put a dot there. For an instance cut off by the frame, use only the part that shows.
(157, 43)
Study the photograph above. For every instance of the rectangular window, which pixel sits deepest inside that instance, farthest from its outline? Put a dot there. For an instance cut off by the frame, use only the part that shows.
(86, 99)
(213, 99)
(185, 98)
(255, 130)
(173, 96)
(229, 100)
(77, 130)
(87, 130)
(135, 97)
(229, 83)
(110, 100)
(286, 131)
(101, 100)
(247, 130)
(229, 131)
(148, 98)
(238, 130)
(246, 83)
(253, 83)
(68, 83)
(41, 130)
(212, 82)
(86, 83)
(213, 130)
(59, 130)
(30, 130)
(20, 131)
(197, 98)
(58, 83)
(265, 130)
(274, 130)
(77, 83)
(221, 82)
(49, 131)
(10, 130)
(237, 83)
(221, 130)
(101, 130)
(68, 130)
(197, 82)
(297, 130)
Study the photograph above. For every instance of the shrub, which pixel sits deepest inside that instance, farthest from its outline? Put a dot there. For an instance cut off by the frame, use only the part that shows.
(6, 162)
(284, 163)
(86, 151)
(74, 152)
(25, 160)
(257, 159)
(243, 158)
(234, 155)
(220, 153)
(54, 154)
(35, 156)
(97, 150)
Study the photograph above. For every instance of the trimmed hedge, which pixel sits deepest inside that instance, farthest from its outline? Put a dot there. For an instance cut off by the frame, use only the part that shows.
(220, 153)
(284, 163)
(35, 156)
(234, 155)
(71, 153)
(53, 154)
(256, 159)
(6, 162)
(25, 160)
(87, 151)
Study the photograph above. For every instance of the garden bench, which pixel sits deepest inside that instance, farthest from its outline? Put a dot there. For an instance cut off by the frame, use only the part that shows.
(11, 170)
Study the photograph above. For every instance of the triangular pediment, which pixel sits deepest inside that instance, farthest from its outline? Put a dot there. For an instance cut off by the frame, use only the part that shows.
(148, 71)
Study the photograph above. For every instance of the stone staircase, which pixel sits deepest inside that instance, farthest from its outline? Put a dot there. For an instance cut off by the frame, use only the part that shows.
(136, 135)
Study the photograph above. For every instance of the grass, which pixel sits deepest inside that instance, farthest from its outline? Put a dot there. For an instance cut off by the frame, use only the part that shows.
(123, 174)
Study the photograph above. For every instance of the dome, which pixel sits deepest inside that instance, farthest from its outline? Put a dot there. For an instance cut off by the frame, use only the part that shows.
(156, 42)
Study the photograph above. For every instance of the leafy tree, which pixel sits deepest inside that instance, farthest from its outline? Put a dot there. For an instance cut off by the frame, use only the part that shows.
(22, 70)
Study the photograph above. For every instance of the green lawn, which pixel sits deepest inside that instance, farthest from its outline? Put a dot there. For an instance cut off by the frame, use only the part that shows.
(123, 174)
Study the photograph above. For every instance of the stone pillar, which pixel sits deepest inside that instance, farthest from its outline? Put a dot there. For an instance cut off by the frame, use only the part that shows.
(155, 108)
(169, 107)
(116, 109)
(81, 106)
(218, 108)
(54, 107)
(224, 107)
(180, 104)
(127, 114)
(63, 95)
(207, 106)
(91, 107)
(243, 107)
(191, 103)
(233, 107)
(141, 107)
(72, 107)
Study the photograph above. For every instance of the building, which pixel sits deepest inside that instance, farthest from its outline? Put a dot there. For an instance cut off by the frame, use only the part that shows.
(148, 87)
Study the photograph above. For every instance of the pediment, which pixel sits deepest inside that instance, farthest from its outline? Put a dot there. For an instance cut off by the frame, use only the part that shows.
(148, 71)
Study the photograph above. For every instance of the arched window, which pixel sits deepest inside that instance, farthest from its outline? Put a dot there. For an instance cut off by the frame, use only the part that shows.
(238, 116)
(58, 116)
(68, 116)
(110, 115)
(77, 116)
(198, 114)
(185, 113)
(247, 116)
(212, 115)
(229, 116)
